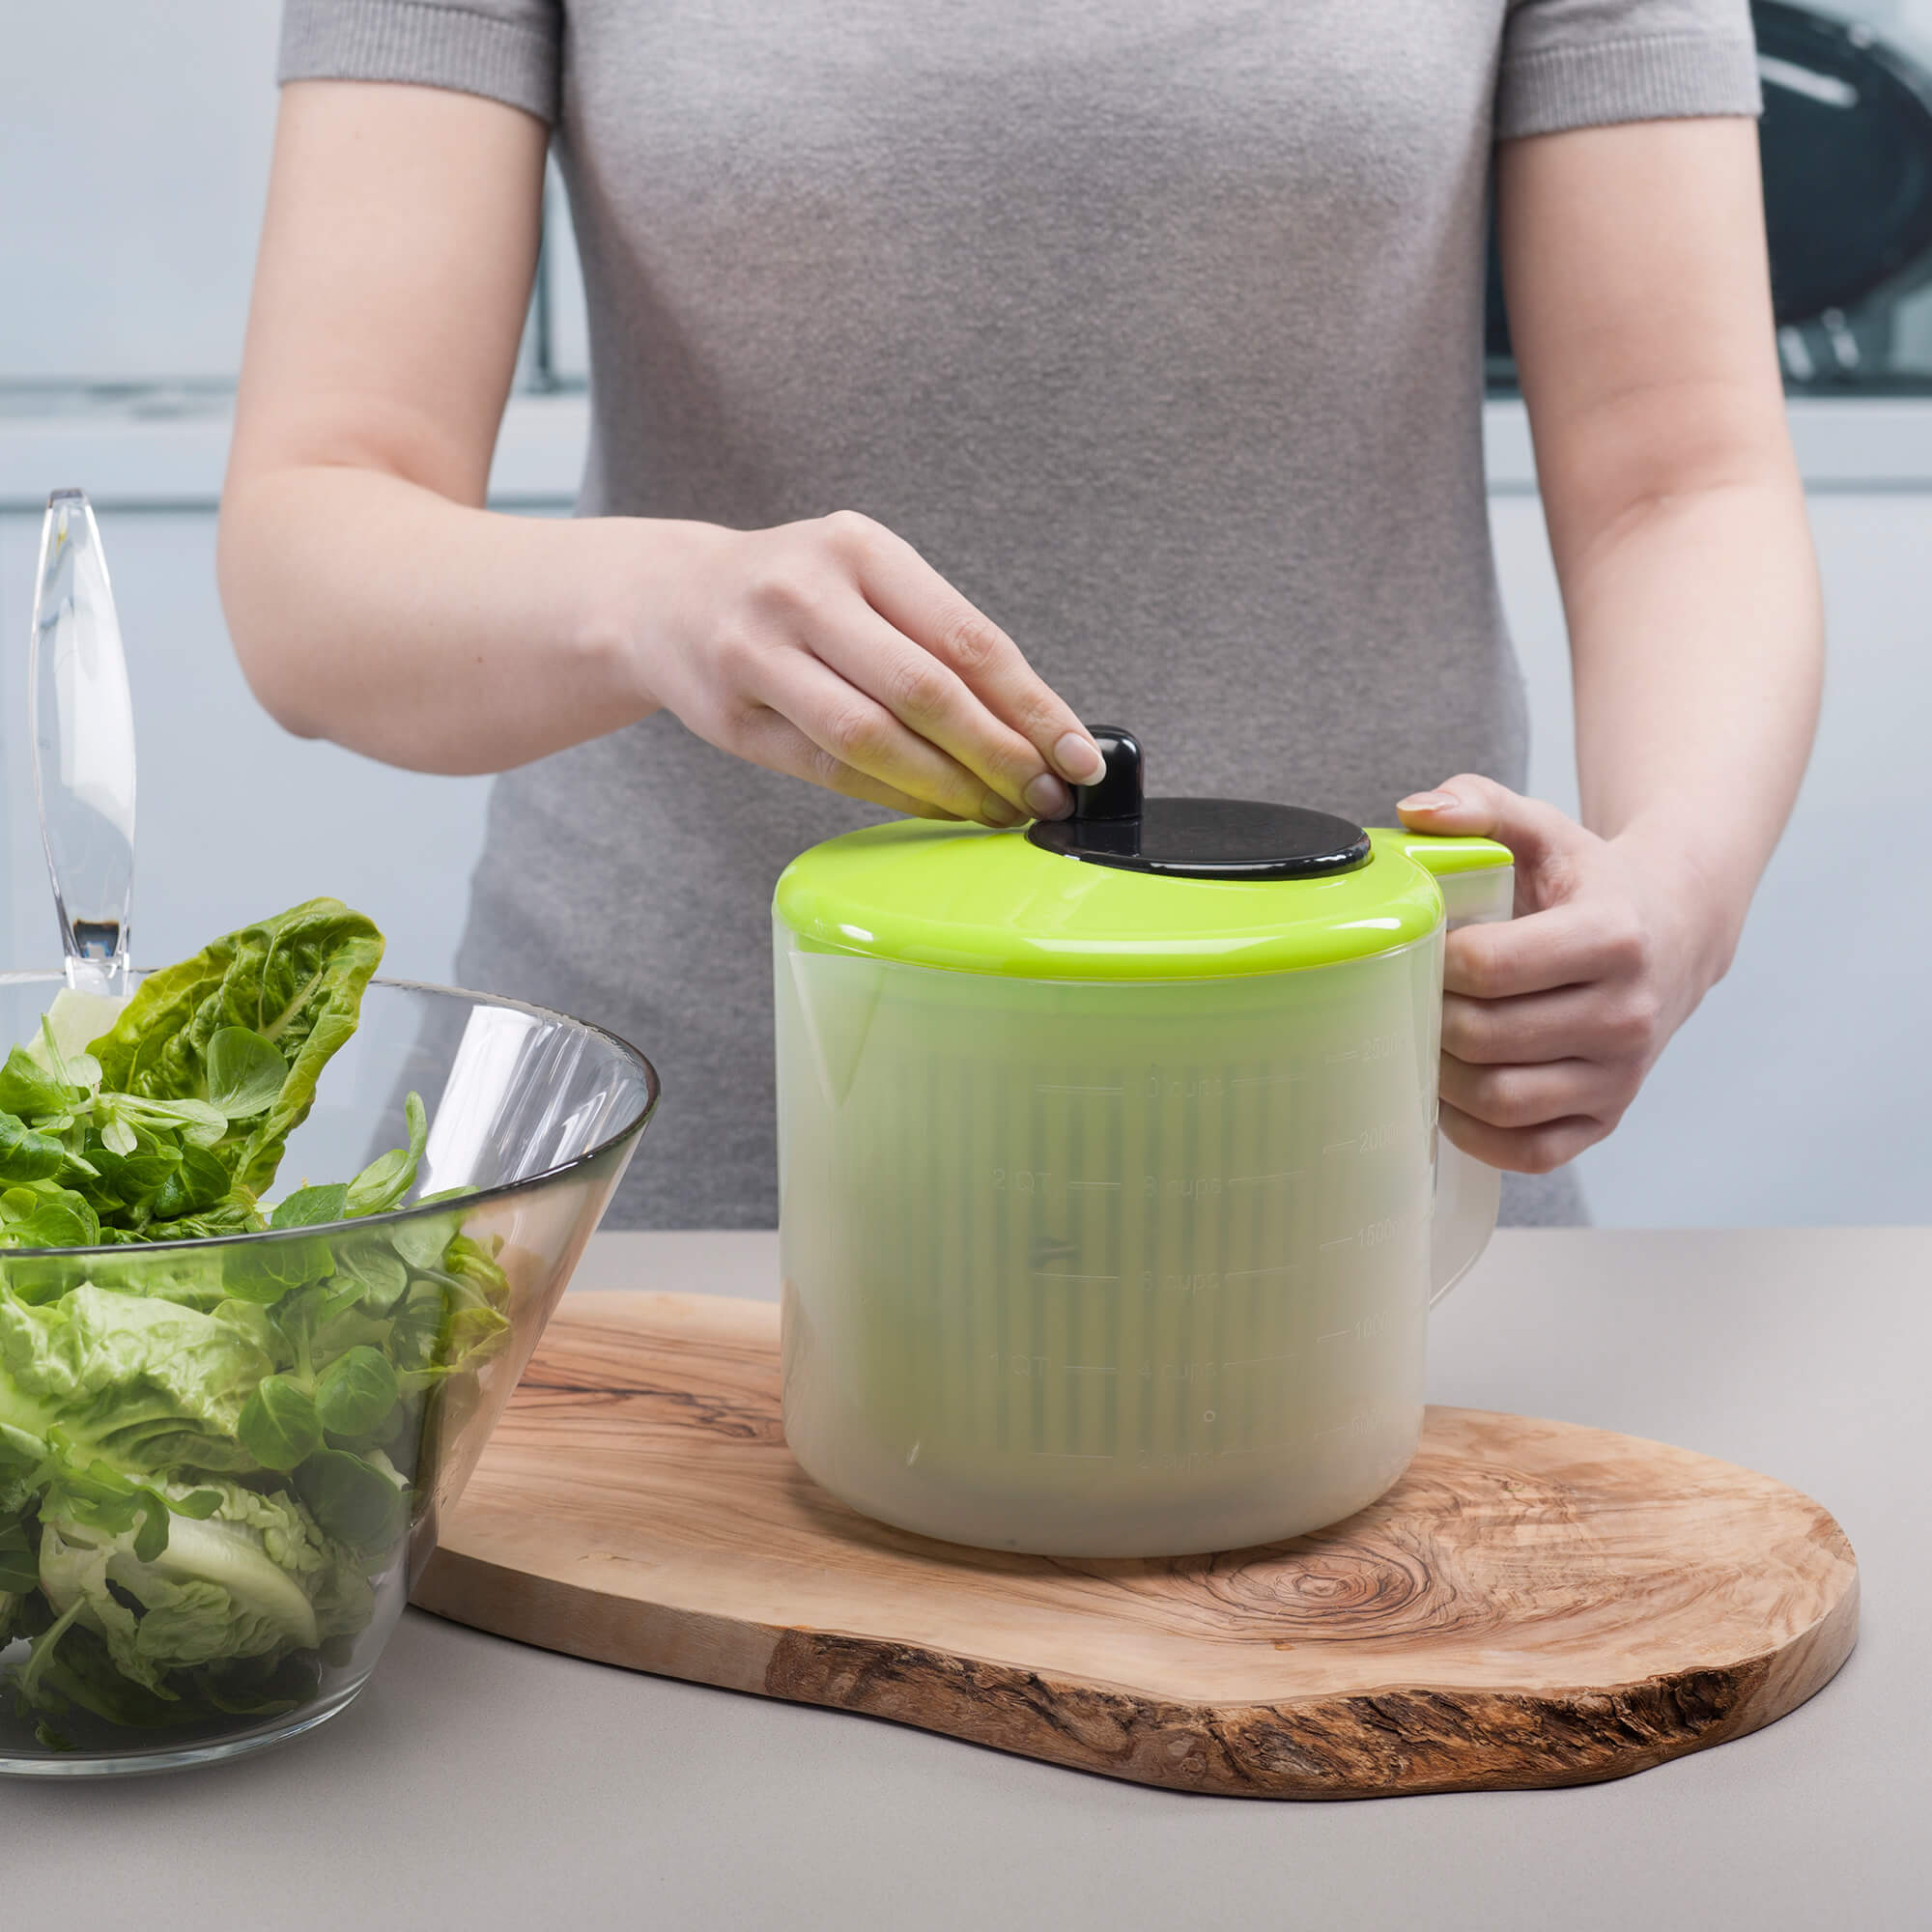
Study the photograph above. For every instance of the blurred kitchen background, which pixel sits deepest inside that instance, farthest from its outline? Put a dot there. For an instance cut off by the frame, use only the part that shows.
(133, 158)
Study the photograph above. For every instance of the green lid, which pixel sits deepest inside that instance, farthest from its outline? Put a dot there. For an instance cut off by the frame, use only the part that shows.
(977, 901)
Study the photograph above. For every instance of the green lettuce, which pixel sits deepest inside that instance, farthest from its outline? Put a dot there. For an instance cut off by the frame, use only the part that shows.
(207, 1455)
(255, 1578)
(146, 1383)
(291, 984)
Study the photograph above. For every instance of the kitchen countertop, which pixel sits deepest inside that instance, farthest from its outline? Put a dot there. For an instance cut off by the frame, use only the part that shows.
(480, 1784)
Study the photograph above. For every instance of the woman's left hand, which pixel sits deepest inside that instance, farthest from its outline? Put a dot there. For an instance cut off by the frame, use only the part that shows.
(1550, 1022)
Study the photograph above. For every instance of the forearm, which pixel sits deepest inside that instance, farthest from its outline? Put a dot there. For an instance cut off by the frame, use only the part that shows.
(374, 601)
(426, 633)
(1696, 645)
(1639, 300)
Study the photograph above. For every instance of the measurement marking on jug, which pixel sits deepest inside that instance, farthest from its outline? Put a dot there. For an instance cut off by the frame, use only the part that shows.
(1023, 1366)
(1187, 1186)
(1098, 1093)
(1376, 1047)
(1098, 1186)
(1064, 1274)
(1256, 1361)
(1194, 1459)
(1371, 1235)
(1190, 1087)
(1205, 1283)
(1369, 1329)
(1181, 1371)
(1364, 1424)
(1264, 1079)
(1091, 1369)
(1266, 1180)
(1256, 1274)
(1078, 1454)
(1023, 1180)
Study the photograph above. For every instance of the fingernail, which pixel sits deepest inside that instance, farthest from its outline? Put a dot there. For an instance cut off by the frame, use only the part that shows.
(1048, 797)
(1429, 801)
(1079, 758)
(997, 811)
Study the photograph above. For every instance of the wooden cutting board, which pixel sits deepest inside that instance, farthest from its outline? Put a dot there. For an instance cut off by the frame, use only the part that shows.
(1533, 1604)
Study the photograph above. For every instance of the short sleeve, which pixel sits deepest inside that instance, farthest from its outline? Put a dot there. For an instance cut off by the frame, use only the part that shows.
(1588, 63)
(506, 50)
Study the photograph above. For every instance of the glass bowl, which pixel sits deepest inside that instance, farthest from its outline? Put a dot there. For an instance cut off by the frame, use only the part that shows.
(272, 1591)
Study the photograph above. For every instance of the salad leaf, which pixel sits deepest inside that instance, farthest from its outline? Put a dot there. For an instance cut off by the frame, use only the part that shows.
(264, 1271)
(356, 1391)
(467, 1334)
(312, 1206)
(73, 1020)
(212, 1592)
(42, 1215)
(350, 1496)
(255, 1322)
(19, 1563)
(192, 1121)
(128, 1177)
(246, 1071)
(27, 1156)
(146, 1383)
(421, 1240)
(376, 1271)
(294, 981)
(198, 1183)
(28, 1090)
(331, 1578)
(278, 1424)
(382, 1183)
(228, 1217)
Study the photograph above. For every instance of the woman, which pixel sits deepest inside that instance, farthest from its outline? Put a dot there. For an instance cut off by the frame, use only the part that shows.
(963, 370)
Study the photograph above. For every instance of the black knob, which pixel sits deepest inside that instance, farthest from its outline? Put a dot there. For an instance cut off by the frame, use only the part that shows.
(1223, 839)
(1117, 792)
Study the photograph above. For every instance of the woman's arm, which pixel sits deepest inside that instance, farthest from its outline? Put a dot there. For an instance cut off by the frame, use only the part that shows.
(1641, 313)
(374, 602)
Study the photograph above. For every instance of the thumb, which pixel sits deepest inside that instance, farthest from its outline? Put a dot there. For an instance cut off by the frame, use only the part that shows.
(1473, 804)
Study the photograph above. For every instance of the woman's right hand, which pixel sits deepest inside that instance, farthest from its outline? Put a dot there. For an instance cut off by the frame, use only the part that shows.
(832, 650)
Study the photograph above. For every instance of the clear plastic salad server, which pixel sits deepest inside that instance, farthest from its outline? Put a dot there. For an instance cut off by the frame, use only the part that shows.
(84, 726)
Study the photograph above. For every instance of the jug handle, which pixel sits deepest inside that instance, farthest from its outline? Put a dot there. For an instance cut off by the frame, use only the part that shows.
(1467, 1190)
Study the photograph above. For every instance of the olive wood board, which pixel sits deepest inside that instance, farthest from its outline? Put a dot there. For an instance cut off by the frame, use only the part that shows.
(1534, 1604)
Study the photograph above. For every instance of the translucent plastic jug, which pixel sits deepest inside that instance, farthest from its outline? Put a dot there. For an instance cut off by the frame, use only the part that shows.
(1112, 1198)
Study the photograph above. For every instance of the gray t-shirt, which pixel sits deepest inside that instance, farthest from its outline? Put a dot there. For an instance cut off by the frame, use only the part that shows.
(1156, 330)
